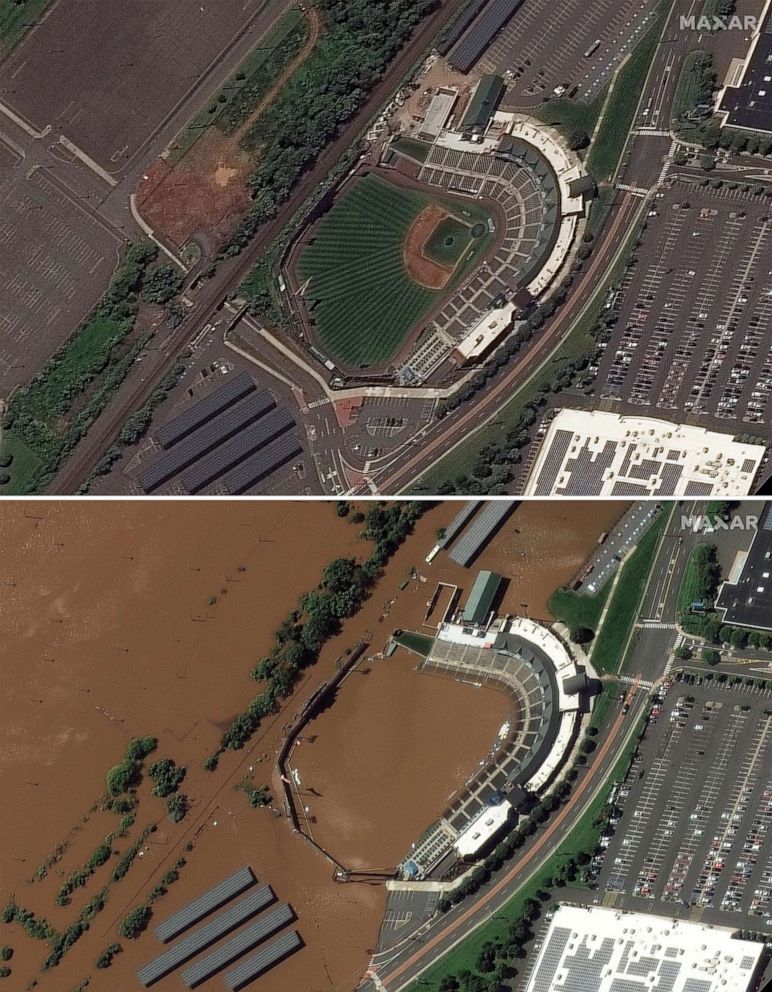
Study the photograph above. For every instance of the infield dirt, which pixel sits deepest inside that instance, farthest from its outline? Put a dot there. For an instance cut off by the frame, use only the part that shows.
(425, 271)
(135, 618)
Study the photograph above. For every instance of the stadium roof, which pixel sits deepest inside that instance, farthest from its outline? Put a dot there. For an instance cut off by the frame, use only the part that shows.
(483, 829)
(594, 949)
(478, 606)
(206, 935)
(212, 899)
(483, 104)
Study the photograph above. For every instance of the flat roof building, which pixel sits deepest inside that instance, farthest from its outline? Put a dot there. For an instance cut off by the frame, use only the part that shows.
(594, 949)
(748, 105)
(591, 453)
(482, 830)
(440, 109)
(747, 602)
(484, 590)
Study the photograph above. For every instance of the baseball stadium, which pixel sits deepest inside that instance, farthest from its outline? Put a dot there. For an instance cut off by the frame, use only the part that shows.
(424, 257)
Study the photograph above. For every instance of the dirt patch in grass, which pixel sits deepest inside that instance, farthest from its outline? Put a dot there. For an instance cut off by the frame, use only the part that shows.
(207, 188)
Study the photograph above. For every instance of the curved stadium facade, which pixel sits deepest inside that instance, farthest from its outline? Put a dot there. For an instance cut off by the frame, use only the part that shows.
(531, 664)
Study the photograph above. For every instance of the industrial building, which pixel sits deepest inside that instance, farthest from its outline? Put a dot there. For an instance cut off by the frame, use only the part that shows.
(592, 453)
(745, 598)
(482, 596)
(594, 949)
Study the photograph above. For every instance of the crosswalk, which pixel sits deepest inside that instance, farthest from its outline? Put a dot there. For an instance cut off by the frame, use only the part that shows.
(656, 625)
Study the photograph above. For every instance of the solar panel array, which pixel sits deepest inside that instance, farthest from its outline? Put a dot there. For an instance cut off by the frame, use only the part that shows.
(245, 941)
(263, 960)
(459, 26)
(236, 388)
(212, 899)
(483, 31)
(206, 438)
(458, 522)
(206, 935)
(243, 444)
(261, 464)
(480, 529)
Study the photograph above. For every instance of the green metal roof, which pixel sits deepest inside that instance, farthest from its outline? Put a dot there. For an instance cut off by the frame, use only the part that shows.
(485, 587)
(483, 104)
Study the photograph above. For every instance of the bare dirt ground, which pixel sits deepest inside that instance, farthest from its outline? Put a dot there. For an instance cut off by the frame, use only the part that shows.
(425, 271)
(207, 190)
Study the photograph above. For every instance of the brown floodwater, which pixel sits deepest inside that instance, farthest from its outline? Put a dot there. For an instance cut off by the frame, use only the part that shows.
(141, 617)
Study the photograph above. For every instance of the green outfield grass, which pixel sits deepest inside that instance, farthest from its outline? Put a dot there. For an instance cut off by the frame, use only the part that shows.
(360, 295)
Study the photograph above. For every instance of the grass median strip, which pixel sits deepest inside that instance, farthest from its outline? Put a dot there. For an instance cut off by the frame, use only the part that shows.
(626, 600)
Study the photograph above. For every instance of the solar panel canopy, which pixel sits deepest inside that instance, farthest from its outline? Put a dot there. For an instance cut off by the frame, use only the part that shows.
(239, 447)
(233, 390)
(212, 899)
(238, 945)
(263, 463)
(263, 960)
(205, 438)
(206, 935)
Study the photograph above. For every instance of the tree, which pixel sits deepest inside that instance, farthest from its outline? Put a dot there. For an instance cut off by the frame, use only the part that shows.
(177, 806)
(582, 635)
(135, 922)
(139, 748)
(123, 776)
(577, 138)
(710, 656)
(160, 285)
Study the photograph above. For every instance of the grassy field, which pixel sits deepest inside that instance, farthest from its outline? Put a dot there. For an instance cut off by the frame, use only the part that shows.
(246, 87)
(626, 600)
(413, 148)
(697, 586)
(578, 609)
(15, 19)
(448, 241)
(417, 643)
(693, 83)
(584, 835)
(362, 299)
(571, 115)
(619, 113)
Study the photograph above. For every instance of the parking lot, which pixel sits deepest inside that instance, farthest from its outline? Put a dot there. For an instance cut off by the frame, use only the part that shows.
(55, 260)
(693, 816)
(605, 561)
(572, 47)
(109, 91)
(694, 310)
